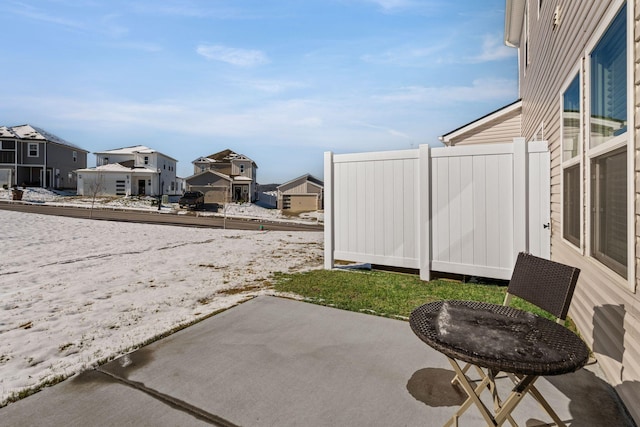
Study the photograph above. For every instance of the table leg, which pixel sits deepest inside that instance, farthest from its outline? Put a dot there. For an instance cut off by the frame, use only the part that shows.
(473, 396)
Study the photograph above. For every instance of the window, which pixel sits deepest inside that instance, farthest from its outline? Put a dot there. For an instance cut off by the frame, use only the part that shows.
(609, 82)
(609, 196)
(571, 167)
(105, 161)
(75, 156)
(571, 205)
(608, 140)
(33, 149)
(241, 168)
(571, 120)
(146, 160)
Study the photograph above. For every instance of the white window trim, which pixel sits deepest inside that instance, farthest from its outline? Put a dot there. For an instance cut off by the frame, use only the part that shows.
(577, 160)
(625, 140)
(29, 145)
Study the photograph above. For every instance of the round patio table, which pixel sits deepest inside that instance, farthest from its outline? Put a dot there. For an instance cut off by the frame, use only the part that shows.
(501, 339)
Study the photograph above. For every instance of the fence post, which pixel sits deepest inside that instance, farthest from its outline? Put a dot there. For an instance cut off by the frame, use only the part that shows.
(520, 196)
(424, 216)
(328, 211)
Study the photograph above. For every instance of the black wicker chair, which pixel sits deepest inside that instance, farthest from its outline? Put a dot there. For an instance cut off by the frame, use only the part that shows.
(547, 284)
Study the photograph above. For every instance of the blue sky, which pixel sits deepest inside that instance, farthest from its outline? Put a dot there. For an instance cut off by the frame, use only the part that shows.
(280, 81)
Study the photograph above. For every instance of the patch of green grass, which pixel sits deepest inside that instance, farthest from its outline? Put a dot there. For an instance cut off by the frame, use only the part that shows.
(386, 293)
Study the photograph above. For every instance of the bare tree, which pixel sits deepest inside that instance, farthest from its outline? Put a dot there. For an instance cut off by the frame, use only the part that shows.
(96, 186)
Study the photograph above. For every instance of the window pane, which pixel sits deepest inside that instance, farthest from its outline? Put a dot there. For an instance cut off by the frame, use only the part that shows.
(571, 205)
(610, 210)
(571, 120)
(609, 82)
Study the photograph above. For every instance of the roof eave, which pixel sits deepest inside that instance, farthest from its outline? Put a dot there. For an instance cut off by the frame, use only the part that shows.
(513, 20)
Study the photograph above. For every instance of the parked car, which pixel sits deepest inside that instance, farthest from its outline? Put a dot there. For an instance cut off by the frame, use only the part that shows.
(191, 199)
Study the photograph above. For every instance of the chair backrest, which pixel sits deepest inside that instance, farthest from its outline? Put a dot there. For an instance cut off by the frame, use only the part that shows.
(545, 283)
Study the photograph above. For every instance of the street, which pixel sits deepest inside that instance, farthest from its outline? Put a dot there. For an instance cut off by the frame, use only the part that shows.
(154, 217)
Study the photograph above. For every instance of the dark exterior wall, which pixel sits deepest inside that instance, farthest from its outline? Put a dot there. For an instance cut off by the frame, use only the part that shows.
(61, 161)
(24, 153)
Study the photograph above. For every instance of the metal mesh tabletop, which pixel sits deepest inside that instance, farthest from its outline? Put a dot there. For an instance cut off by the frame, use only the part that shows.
(499, 337)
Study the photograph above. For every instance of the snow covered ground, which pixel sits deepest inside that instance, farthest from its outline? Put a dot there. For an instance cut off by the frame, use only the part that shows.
(76, 292)
(236, 210)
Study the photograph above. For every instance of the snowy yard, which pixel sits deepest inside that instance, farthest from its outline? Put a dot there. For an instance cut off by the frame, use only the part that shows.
(77, 292)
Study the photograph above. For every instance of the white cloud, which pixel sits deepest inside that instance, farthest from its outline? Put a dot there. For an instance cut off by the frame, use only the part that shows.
(231, 55)
(479, 90)
(270, 86)
(141, 46)
(36, 14)
(493, 49)
(395, 5)
(408, 55)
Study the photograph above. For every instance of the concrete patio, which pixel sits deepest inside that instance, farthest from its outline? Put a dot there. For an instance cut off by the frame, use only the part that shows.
(279, 362)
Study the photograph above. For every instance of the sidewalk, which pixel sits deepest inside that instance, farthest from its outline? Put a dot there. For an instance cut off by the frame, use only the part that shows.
(278, 362)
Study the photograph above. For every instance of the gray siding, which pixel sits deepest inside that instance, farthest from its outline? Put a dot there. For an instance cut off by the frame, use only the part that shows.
(61, 160)
(605, 309)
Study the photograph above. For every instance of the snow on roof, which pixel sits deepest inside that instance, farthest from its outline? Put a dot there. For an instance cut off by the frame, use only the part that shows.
(129, 150)
(224, 156)
(117, 167)
(136, 149)
(6, 132)
(29, 132)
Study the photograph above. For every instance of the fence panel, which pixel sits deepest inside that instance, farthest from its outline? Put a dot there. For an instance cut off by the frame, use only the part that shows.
(462, 210)
(377, 198)
(472, 210)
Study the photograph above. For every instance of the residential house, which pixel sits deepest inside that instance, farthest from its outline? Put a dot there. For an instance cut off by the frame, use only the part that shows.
(304, 193)
(30, 156)
(225, 176)
(579, 83)
(130, 171)
(499, 126)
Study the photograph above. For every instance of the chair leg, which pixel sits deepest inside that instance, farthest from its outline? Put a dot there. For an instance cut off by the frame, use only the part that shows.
(542, 402)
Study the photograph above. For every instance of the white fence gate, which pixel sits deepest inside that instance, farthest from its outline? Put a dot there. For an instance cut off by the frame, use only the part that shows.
(466, 210)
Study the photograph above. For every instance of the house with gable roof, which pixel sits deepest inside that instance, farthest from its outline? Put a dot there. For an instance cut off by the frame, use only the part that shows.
(304, 193)
(224, 176)
(31, 156)
(130, 171)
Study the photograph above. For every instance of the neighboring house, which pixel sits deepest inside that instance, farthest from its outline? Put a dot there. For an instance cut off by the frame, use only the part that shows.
(305, 193)
(500, 126)
(30, 156)
(130, 171)
(224, 176)
(579, 84)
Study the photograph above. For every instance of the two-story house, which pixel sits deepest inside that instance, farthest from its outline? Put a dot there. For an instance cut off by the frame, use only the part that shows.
(30, 156)
(224, 176)
(130, 171)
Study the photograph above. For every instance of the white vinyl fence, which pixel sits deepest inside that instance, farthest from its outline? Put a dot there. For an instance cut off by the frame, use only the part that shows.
(465, 210)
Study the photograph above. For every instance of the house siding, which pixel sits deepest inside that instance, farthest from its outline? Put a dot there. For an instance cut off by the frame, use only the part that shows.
(605, 308)
(303, 188)
(492, 133)
(62, 161)
(300, 194)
